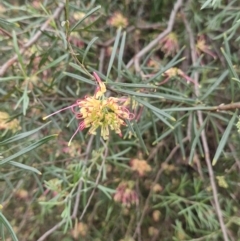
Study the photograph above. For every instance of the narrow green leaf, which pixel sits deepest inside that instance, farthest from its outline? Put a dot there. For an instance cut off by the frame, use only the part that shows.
(206, 4)
(215, 84)
(139, 135)
(18, 19)
(120, 56)
(114, 51)
(86, 16)
(64, 39)
(230, 64)
(27, 149)
(25, 101)
(172, 63)
(130, 128)
(155, 109)
(227, 54)
(130, 85)
(17, 50)
(107, 191)
(78, 77)
(134, 93)
(22, 135)
(4, 22)
(224, 139)
(79, 68)
(166, 133)
(178, 98)
(188, 108)
(88, 47)
(25, 167)
(168, 66)
(153, 121)
(163, 120)
(196, 140)
(10, 78)
(54, 63)
(119, 154)
(195, 128)
(5, 222)
(179, 136)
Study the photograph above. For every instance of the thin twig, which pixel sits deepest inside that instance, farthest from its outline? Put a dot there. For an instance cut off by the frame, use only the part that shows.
(34, 39)
(50, 231)
(154, 42)
(78, 195)
(146, 205)
(101, 59)
(233, 151)
(10, 35)
(97, 182)
(77, 199)
(203, 134)
(155, 150)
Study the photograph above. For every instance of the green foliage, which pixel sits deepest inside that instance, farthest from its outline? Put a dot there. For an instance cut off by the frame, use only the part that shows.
(152, 183)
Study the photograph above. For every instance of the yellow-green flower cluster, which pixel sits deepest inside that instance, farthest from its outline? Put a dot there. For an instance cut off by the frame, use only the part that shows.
(221, 181)
(103, 113)
(99, 111)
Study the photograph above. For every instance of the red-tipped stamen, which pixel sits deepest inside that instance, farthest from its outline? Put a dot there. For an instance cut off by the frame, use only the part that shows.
(75, 133)
(44, 118)
(81, 126)
(131, 116)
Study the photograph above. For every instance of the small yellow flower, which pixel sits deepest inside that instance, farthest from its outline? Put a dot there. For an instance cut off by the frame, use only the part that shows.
(157, 188)
(78, 15)
(118, 20)
(140, 166)
(80, 230)
(5, 124)
(156, 215)
(221, 181)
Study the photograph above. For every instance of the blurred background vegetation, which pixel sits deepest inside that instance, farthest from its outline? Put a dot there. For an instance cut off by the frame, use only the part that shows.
(174, 174)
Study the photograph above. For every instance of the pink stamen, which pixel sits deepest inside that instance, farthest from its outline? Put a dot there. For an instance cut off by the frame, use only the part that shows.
(131, 116)
(97, 77)
(75, 105)
(81, 126)
(78, 116)
(71, 106)
(75, 133)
